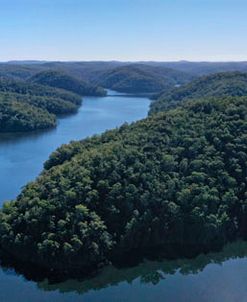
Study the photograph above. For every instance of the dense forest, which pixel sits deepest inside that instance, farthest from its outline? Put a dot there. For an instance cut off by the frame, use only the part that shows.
(18, 71)
(53, 105)
(216, 85)
(93, 70)
(140, 78)
(62, 80)
(26, 106)
(204, 68)
(143, 77)
(26, 88)
(40, 95)
(21, 116)
(174, 183)
(57, 87)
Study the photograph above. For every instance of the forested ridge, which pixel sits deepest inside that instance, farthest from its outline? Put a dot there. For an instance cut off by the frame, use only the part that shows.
(20, 116)
(44, 94)
(91, 70)
(215, 85)
(141, 78)
(174, 183)
(33, 89)
(62, 80)
(25, 106)
(57, 87)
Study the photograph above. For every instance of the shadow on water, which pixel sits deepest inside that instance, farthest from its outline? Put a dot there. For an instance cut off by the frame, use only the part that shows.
(13, 137)
(147, 272)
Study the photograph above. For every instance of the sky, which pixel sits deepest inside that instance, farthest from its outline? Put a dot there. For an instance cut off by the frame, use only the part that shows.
(126, 30)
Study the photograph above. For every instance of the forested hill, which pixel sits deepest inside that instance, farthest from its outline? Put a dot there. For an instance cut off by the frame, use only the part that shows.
(48, 93)
(27, 88)
(220, 84)
(91, 70)
(20, 116)
(133, 77)
(204, 68)
(173, 183)
(25, 106)
(62, 80)
(140, 78)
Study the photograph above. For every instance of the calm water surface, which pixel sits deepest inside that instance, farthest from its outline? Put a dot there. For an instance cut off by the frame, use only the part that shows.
(219, 277)
(22, 155)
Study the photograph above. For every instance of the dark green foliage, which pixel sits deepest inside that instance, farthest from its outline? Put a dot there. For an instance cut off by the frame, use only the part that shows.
(51, 104)
(37, 99)
(18, 72)
(18, 116)
(91, 71)
(62, 80)
(139, 78)
(22, 87)
(174, 183)
(41, 94)
(221, 84)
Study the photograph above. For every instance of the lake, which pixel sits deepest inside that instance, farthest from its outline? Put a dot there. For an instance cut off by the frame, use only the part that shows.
(22, 155)
(215, 277)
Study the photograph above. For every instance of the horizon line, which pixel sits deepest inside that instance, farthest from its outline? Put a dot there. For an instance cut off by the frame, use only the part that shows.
(121, 61)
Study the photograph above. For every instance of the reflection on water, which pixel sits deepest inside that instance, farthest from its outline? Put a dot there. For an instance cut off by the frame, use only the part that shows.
(149, 272)
(13, 138)
(215, 277)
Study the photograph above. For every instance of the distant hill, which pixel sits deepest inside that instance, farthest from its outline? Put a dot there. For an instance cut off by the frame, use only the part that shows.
(134, 77)
(93, 71)
(202, 68)
(62, 80)
(87, 71)
(216, 85)
(139, 78)
(18, 71)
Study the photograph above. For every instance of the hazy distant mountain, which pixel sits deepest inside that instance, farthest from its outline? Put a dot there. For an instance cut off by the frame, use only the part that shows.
(133, 76)
(203, 68)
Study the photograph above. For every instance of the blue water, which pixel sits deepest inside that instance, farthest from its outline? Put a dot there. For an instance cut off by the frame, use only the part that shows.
(22, 155)
(219, 277)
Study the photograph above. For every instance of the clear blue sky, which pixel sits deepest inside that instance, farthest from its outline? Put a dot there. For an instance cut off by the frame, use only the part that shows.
(160, 30)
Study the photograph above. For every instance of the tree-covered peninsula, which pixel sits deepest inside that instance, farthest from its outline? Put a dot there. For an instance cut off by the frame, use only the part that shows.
(20, 116)
(25, 106)
(174, 183)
